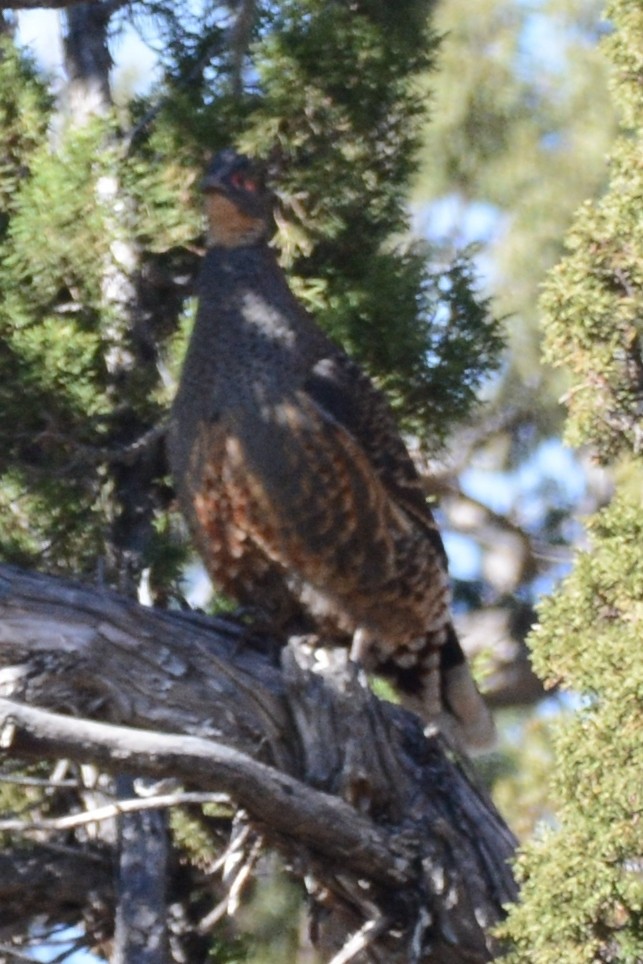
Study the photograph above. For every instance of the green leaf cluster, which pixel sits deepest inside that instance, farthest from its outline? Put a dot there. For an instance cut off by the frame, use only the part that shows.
(582, 893)
(51, 383)
(70, 383)
(25, 110)
(602, 277)
(582, 896)
(339, 121)
(53, 380)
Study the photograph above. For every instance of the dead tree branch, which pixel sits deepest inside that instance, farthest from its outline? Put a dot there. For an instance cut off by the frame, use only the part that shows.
(403, 851)
(322, 822)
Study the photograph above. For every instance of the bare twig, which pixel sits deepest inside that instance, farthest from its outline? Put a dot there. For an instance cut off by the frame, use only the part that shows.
(230, 903)
(21, 781)
(320, 821)
(14, 955)
(110, 810)
(124, 454)
(364, 937)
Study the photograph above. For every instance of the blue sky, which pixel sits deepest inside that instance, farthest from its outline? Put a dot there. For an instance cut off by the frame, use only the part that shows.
(40, 31)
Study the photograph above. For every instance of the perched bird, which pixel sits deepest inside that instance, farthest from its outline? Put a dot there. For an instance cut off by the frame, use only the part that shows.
(299, 491)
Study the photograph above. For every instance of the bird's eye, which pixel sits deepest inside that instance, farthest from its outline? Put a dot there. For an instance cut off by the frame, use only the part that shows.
(243, 183)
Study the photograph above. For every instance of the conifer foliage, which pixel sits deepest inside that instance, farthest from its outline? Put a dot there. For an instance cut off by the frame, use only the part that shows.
(582, 896)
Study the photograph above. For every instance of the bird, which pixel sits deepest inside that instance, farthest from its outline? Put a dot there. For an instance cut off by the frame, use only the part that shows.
(299, 491)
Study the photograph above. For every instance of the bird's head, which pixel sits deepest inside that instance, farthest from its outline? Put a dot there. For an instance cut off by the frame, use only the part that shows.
(237, 204)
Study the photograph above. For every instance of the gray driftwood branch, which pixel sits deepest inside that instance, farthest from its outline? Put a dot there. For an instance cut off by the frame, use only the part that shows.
(393, 835)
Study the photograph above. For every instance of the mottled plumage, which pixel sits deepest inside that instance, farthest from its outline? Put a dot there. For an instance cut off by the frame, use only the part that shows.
(300, 493)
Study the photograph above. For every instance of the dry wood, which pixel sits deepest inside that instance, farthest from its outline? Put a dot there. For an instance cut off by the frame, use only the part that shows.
(385, 824)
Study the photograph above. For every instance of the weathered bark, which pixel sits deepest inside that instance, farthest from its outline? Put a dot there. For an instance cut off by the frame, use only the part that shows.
(87, 61)
(392, 834)
(140, 937)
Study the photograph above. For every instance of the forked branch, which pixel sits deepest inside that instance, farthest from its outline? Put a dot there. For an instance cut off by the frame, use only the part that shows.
(382, 822)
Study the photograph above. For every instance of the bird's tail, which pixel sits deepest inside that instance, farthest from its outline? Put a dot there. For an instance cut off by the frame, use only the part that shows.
(439, 687)
(461, 699)
(434, 680)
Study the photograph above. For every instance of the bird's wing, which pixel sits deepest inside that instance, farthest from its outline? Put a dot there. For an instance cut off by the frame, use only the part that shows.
(344, 394)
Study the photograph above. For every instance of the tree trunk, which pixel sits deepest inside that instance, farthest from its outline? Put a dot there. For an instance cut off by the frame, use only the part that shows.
(87, 61)
(142, 836)
(140, 937)
(404, 856)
